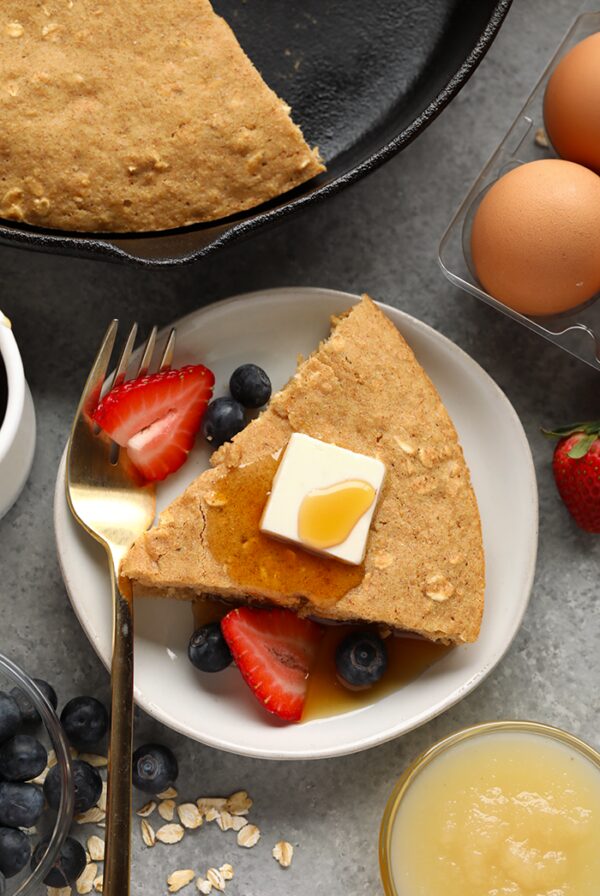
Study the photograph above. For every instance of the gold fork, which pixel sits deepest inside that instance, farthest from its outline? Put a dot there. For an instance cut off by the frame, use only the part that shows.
(109, 499)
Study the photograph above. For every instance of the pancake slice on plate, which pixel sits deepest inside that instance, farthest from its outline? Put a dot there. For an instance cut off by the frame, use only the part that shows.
(129, 116)
(363, 390)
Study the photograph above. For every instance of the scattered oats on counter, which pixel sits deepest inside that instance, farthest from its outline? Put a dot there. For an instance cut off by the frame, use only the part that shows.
(216, 879)
(239, 803)
(227, 871)
(229, 813)
(166, 809)
(283, 852)
(180, 879)
(95, 847)
(103, 796)
(169, 794)
(92, 816)
(147, 809)
(85, 881)
(94, 759)
(205, 803)
(189, 816)
(148, 835)
(170, 833)
(248, 836)
(225, 820)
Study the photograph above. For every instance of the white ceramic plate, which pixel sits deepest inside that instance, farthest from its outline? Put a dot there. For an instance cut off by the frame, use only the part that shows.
(271, 328)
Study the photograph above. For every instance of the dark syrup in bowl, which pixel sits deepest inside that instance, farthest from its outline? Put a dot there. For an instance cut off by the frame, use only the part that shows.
(3, 391)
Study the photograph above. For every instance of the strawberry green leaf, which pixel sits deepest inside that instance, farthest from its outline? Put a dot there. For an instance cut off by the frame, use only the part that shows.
(592, 428)
(559, 432)
(581, 448)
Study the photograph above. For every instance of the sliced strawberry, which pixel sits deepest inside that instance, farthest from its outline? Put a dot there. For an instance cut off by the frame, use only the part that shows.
(274, 651)
(157, 417)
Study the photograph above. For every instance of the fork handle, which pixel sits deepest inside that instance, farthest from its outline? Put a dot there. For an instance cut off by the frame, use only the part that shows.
(117, 864)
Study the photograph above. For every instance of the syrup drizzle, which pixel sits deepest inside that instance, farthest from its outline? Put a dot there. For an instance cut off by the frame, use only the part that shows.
(327, 516)
(259, 563)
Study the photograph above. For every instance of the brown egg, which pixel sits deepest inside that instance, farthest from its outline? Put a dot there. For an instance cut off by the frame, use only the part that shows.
(535, 241)
(572, 104)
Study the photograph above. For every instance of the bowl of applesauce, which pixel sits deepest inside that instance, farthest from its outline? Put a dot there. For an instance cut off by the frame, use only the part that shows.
(500, 809)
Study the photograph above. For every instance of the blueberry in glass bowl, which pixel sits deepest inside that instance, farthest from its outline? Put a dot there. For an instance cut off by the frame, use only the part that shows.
(29, 731)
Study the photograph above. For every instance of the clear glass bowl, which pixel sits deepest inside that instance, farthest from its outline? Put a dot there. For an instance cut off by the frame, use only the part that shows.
(430, 755)
(55, 825)
(577, 331)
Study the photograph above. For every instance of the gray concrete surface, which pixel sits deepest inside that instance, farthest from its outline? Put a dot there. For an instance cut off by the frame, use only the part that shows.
(381, 235)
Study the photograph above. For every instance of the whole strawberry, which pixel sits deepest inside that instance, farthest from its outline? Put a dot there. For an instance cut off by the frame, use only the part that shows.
(576, 466)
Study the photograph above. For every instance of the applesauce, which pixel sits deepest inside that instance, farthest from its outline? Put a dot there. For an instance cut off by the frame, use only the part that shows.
(500, 810)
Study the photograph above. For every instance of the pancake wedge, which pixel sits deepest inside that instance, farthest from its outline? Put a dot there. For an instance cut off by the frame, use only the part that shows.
(362, 389)
(129, 116)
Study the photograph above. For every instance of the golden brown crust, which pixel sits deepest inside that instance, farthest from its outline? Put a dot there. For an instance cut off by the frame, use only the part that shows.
(364, 390)
(136, 116)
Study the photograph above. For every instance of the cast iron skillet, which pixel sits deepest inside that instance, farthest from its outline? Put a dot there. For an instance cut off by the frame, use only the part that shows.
(363, 78)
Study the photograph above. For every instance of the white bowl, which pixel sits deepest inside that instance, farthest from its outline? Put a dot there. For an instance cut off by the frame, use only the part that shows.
(17, 431)
(272, 328)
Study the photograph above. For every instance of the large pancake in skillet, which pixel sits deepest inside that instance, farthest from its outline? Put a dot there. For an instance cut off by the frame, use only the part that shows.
(129, 116)
(362, 389)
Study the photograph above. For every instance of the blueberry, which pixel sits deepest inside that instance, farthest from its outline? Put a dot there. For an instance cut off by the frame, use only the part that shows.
(48, 692)
(223, 419)
(68, 866)
(87, 784)
(10, 716)
(250, 385)
(154, 768)
(28, 711)
(361, 660)
(85, 721)
(208, 649)
(22, 758)
(15, 851)
(20, 805)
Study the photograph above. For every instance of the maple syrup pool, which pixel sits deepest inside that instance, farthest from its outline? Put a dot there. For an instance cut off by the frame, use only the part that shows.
(3, 391)
(408, 658)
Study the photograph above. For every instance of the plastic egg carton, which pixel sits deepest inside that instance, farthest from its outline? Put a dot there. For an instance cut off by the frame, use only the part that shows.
(576, 331)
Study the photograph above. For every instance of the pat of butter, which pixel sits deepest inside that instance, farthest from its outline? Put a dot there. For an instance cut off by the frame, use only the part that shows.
(309, 465)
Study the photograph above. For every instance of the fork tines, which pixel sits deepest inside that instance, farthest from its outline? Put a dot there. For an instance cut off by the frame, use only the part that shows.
(146, 358)
(97, 377)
